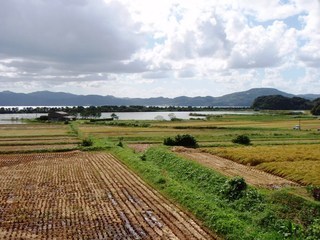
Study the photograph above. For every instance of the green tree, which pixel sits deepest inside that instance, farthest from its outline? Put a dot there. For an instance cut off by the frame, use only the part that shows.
(185, 140)
(316, 108)
(242, 139)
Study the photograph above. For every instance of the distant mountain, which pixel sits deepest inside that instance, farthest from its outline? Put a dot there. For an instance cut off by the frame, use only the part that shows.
(47, 98)
(246, 98)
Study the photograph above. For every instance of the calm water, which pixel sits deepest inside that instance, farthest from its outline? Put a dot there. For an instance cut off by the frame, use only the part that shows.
(15, 118)
(165, 115)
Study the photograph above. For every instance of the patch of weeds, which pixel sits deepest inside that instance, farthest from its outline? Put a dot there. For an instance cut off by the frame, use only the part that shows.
(251, 200)
(313, 231)
(288, 229)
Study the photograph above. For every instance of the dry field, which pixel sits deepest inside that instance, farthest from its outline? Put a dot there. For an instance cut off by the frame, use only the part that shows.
(20, 130)
(129, 133)
(78, 195)
(36, 137)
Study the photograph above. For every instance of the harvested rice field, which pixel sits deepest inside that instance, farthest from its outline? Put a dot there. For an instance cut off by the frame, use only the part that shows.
(77, 195)
(13, 130)
(36, 137)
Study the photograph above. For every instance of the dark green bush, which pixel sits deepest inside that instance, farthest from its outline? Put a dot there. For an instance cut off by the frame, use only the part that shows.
(143, 157)
(87, 142)
(185, 140)
(234, 188)
(169, 141)
(242, 139)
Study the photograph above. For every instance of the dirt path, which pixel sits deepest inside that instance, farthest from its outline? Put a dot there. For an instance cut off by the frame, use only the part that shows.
(229, 168)
(80, 195)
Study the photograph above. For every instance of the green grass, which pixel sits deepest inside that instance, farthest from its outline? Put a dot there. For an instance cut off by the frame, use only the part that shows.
(197, 189)
(263, 129)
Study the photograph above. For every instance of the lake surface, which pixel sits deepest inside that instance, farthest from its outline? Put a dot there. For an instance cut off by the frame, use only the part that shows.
(16, 118)
(166, 115)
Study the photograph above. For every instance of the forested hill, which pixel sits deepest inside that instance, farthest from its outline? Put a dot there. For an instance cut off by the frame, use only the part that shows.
(46, 98)
(278, 102)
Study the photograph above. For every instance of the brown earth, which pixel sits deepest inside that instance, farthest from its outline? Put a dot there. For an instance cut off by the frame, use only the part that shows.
(229, 168)
(139, 147)
(77, 195)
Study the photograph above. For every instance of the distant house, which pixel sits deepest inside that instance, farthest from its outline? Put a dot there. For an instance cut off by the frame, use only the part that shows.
(59, 116)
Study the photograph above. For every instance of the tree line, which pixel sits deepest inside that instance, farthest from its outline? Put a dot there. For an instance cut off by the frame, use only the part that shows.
(133, 108)
(279, 102)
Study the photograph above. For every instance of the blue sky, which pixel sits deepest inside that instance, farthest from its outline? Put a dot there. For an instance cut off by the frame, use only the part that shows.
(146, 48)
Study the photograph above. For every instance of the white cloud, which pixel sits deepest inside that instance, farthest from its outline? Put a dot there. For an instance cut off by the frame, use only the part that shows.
(79, 34)
(309, 53)
(263, 46)
(125, 47)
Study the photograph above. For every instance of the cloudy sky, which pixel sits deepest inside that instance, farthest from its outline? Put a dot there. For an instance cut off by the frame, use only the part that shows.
(149, 48)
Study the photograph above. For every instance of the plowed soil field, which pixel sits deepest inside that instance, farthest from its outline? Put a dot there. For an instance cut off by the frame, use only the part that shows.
(78, 195)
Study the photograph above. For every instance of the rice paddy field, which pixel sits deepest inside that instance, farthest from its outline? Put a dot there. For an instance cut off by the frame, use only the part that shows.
(275, 146)
(218, 131)
(49, 189)
(36, 138)
(300, 163)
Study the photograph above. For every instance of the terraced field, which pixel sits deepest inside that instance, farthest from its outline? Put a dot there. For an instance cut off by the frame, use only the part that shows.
(78, 195)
